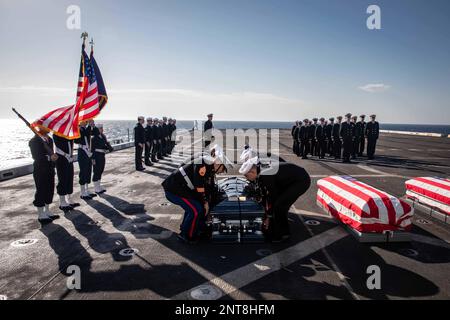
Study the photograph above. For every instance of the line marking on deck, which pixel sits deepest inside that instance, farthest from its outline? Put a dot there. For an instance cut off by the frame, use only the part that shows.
(328, 257)
(241, 277)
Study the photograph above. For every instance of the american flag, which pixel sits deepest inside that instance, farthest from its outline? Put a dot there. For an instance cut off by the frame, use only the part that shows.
(362, 206)
(64, 122)
(90, 107)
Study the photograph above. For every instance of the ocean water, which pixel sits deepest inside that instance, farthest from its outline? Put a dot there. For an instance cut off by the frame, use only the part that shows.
(14, 135)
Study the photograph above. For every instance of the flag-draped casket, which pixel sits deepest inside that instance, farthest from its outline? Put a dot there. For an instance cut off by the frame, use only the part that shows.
(433, 192)
(363, 207)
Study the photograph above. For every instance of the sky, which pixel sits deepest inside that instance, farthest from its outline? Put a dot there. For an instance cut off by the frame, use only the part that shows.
(255, 60)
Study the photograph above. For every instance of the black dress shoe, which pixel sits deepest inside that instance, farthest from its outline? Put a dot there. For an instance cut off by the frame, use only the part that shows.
(54, 217)
(149, 164)
(140, 169)
(74, 205)
(86, 197)
(65, 209)
(45, 221)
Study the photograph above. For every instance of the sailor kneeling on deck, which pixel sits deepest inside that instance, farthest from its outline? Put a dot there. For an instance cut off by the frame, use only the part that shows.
(190, 188)
(280, 189)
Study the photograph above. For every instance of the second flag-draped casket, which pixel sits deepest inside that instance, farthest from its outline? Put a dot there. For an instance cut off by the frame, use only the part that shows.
(433, 192)
(363, 207)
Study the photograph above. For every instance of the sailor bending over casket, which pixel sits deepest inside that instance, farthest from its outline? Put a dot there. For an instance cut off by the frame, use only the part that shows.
(189, 188)
(280, 189)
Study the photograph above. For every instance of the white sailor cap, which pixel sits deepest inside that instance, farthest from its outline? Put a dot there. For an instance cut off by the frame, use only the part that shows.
(247, 154)
(248, 165)
(99, 125)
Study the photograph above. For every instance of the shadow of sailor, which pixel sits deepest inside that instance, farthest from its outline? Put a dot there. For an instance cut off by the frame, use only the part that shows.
(123, 205)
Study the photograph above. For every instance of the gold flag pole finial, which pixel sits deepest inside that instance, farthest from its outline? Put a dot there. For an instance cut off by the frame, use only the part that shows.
(92, 43)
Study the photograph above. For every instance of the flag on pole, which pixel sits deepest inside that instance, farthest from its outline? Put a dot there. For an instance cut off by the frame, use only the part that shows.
(64, 122)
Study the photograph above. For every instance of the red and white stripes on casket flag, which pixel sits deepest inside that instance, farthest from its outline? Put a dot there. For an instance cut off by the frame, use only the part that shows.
(431, 191)
(361, 206)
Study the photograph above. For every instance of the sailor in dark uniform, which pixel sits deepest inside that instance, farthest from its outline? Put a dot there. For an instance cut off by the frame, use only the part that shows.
(372, 134)
(165, 137)
(173, 134)
(281, 190)
(357, 136)
(294, 130)
(160, 133)
(347, 137)
(64, 170)
(156, 141)
(188, 188)
(336, 136)
(148, 142)
(100, 146)
(362, 141)
(312, 137)
(85, 160)
(139, 143)
(320, 135)
(296, 137)
(207, 130)
(304, 139)
(329, 135)
(41, 147)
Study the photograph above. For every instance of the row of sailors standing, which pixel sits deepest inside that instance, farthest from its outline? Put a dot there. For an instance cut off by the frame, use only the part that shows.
(341, 140)
(58, 153)
(157, 139)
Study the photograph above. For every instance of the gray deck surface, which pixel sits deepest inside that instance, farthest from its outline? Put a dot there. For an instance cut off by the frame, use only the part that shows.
(320, 262)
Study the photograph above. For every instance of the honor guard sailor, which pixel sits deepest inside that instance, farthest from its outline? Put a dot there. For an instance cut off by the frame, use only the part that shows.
(347, 136)
(280, 190)
(43, 174)
(362, 141)
(64, 170)
(294, 134)
(164, 137)
(357, 136)
(148, 142)
(312, 137)
(139, 143)
(188, 187)
(207, 130)
(85, 160)
(100, 146)
(336, 136)
(372, 134)
(304, 139)
(329, 135)
(156, 142)
(321, 138)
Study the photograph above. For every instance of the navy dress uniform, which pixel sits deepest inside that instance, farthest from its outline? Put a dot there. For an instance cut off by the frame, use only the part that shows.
(347, 136)
(321, 138)
(164, 137)
(44, 175)
(312, 137)
(139, 143)
(296, 138)
(357, 136)
(372, 134)
(65, 172)
(304, 139)
(148, 142)
(156, 144)
(362, 141)
(336, 136)
(160, 135)
(85, 161)
(100, 146)
(207, 130)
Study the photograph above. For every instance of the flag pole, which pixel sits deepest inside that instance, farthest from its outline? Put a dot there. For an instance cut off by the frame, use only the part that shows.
(84, 36)
(47, 147)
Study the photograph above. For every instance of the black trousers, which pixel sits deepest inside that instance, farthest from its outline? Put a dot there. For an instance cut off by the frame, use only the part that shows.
(64, 170)
(362, 145)
(85, 164)
(296, 148)
(355, 147)
(371, 146)
(321, 148)
(283, 203)
(337, 146)
(154, 151)
(44, 179)
(138, 157)
(148, 151)
(312, 147)
(159, 151)
(304, 148)
(330, 146)
(99, 166)
(348, 149)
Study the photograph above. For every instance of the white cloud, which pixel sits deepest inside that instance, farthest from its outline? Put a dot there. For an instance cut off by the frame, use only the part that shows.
(375, 87)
